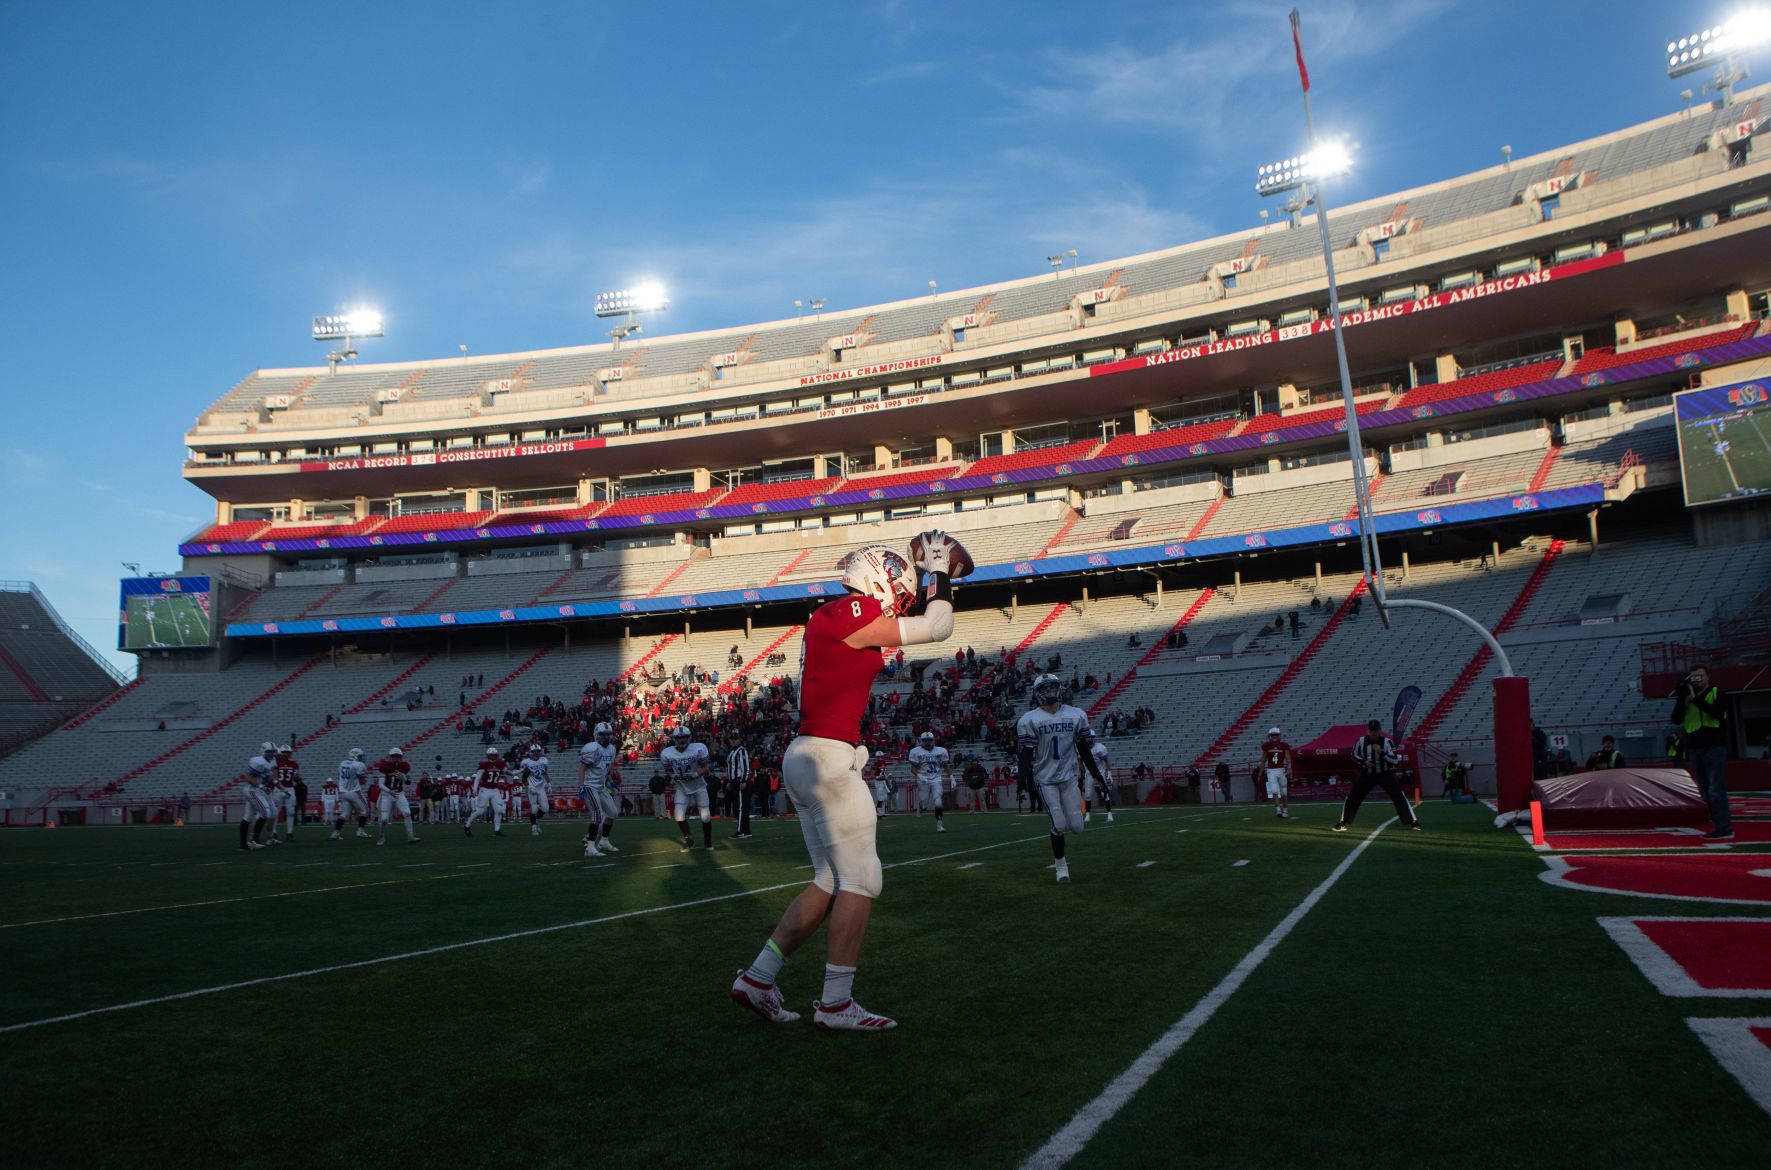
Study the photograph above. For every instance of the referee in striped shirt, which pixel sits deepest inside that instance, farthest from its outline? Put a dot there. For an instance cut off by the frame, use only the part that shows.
(738, 781)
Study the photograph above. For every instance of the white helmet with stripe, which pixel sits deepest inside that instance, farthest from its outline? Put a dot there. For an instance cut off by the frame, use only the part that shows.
(882, 573)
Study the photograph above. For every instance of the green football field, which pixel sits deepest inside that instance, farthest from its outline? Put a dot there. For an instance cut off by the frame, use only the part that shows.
(166, 1000)
(177, 620)
(1747, 463)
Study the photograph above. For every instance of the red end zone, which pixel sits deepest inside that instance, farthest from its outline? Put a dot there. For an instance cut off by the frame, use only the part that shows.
(1689, 957)
(1743, 878)
(1745, 832)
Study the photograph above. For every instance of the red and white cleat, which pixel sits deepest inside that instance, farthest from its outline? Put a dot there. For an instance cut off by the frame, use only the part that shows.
(763, 999)
(849, 1017)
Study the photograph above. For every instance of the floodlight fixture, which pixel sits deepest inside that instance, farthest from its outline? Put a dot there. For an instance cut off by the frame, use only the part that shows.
(349, 324)
(1326, 161)
(1711, 46)
(649, 297)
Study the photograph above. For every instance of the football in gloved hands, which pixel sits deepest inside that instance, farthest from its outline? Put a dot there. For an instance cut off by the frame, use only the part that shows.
(936, 552)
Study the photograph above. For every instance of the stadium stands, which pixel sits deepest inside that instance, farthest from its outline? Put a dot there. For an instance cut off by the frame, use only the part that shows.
(1605, 357)
(1481, 383)
(1172, 437)
(47, 672)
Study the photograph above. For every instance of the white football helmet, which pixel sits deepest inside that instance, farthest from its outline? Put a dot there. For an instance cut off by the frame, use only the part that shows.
(882, 573)
(492, 753)
(926, 740)
(395, 752)
(601, 730)
(534, 749)
(355, 753)
(681, 734)
(285, 750)
(1047, 689)
(267, 748)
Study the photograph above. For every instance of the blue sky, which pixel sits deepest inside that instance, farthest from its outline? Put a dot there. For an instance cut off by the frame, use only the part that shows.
(182, 186)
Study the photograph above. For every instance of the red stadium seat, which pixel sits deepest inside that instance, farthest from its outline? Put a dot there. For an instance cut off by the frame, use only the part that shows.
(1607, 357)
(432, 522)
(1480, 383)
(798, 489)
(237, 530)
(672, 502)
(1037, 457)
(1174, 436)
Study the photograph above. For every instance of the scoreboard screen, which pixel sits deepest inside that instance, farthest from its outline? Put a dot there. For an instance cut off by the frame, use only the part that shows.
(158, 613)
(1724, 442)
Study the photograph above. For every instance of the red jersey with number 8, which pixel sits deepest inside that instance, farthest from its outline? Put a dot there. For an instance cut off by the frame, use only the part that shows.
(835, 678)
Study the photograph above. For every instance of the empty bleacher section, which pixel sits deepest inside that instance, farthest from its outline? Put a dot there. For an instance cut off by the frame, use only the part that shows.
(48, 674)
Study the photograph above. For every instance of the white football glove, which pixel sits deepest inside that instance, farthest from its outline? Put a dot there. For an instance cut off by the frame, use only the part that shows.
(937, 547)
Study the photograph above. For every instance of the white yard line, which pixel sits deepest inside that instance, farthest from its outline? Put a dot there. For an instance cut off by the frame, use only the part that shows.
(221, 901)
(1070, 1140)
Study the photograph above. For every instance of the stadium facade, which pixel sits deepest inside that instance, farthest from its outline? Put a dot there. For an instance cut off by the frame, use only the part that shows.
(1127, 446)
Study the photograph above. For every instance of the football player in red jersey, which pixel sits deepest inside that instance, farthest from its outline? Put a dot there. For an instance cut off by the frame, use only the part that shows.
(1276, 759)
(822, 769)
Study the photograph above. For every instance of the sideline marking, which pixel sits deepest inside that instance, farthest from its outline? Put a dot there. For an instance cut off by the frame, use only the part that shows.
(459, 946)
(1145, 864)
(971, 865)
(1234, 864)
(1069, 1141)
(223, 901)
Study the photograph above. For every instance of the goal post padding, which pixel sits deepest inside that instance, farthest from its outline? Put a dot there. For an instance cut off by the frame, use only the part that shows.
(1512, 742)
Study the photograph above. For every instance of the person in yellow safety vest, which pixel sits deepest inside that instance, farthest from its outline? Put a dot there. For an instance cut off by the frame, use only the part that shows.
(1699, 709)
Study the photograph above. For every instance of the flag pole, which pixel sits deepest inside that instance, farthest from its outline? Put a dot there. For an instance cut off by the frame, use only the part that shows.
(1368, 551)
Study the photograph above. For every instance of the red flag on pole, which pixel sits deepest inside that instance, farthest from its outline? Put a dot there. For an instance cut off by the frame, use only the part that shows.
(1297, 43)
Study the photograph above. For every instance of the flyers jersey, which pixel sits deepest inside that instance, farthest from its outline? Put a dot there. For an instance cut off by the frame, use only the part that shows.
(928, 765)
(835, 678)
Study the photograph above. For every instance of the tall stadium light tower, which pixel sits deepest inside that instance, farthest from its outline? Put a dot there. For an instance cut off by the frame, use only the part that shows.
(1721, 47)
(1304, 174)
(630, 303)
(347, 328)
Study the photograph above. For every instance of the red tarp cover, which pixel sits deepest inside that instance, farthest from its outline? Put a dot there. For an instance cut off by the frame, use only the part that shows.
(1336, 741)
(1621, 798)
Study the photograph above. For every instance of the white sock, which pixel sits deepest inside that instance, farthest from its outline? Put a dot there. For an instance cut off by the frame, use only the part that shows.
(768, 963)
(839, 983)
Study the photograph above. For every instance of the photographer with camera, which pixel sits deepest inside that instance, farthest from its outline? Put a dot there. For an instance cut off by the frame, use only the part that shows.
(1698, 708)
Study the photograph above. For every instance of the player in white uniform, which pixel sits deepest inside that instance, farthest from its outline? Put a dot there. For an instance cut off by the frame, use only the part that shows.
(487, 795)
(255, 809)
(351, 771)
(533, 770)
(1055, 745)
(930, 768)
(685, 763)
(1103, 786)
(596, 781)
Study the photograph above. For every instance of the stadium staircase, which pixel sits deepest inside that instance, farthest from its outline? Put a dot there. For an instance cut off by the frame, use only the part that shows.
(1193, 533)
(669, 577)
(1542, 474)
(1151, 655)
(319, 601)
(1466, 678)
(455, 716)
(1045, 623)
(227, 720)
(788, 568)
(101, 707)
(24, 676)
(359, 708)
(1062, 532)
(556, 583)
(424, 606)
(1278, 685)
(731, 684)
(646, 657)
(240, 607)
(1377, 481)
